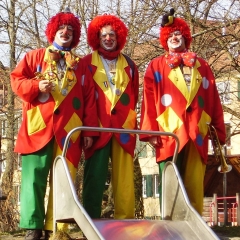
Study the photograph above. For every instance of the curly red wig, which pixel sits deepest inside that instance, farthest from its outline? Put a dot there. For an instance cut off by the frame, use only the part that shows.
(64, 18)
(103, 20)
(177, 25)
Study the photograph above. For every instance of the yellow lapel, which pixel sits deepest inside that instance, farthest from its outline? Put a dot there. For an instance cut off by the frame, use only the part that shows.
(68, 82)
(121, 78)
(196, 80)
(100, 76)
(177, 78)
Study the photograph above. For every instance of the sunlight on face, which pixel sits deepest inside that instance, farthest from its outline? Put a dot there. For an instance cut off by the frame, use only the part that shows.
(64, 35)
(108, 39)
(176, 42)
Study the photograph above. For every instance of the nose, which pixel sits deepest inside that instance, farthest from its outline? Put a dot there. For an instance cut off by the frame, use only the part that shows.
(65, 29)
(108, 36)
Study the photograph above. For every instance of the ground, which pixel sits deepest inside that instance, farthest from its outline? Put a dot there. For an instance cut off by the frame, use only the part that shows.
(224, 233)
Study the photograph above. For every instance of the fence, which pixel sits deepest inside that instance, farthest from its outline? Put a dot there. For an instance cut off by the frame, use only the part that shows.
(222, 211)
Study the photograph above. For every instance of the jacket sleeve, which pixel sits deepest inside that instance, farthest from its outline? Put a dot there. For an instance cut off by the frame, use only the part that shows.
(218, 117)
(90, 117)
(148, 118)
(136, 84)
(23, 80)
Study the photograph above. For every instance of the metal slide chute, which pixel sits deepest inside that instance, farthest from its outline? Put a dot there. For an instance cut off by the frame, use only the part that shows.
(180, 220)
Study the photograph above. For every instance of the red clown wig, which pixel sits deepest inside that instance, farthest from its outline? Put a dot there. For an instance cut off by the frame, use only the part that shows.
(103, 20)
(177, 25)
(64, 18)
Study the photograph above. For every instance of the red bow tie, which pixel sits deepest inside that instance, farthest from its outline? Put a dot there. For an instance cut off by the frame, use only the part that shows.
(176, 59)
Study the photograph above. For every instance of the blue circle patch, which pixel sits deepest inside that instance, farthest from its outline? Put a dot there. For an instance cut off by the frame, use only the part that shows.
(199, 140)
(124, 137)
(157, 77)
(63, 141)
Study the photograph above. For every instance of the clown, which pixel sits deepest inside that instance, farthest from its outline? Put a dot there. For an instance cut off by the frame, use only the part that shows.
(115, 77)
(180, 96)
(55, 100)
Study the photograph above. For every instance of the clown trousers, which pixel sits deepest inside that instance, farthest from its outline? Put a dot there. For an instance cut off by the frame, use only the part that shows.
(192, 171)
(122, 180)
(35, 170)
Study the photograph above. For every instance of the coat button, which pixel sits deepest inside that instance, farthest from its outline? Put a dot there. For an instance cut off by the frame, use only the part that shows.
(113, 111)
(189, 109)
(57, 111)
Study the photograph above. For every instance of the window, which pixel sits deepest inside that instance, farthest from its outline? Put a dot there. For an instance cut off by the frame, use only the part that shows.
(224, 92)
(147, 186)
(156, 185)
(19, 162)
(17, 123)
(150, 185)
(16, 190)
(3, 127)
(144, 186)
(2, 162)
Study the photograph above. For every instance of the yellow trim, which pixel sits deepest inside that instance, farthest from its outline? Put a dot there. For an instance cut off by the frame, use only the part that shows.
(169, 120)
(35, 121)
(176, 77)
(121, 78)
(196, 80)
(73, 122)
(68, 83)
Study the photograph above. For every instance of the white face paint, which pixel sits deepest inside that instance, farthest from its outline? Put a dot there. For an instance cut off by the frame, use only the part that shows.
(108, 39)
(64, 36)
(176, 42)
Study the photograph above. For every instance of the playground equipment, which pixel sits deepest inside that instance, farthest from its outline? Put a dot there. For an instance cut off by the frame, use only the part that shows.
(179, 218)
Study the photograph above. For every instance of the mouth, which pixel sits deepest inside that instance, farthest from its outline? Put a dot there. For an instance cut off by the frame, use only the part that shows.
(64, 36)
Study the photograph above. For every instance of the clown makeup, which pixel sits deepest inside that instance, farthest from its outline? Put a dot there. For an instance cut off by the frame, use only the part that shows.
(176, 42)
(64, 35)
(108, 39)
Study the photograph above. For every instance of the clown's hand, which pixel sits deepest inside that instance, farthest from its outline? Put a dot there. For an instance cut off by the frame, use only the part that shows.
(45, 86)
(87, 142)
(155, 141)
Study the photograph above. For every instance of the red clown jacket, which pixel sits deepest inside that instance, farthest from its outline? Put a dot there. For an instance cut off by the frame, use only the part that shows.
(51, 115)
(114, 110)
(168, 106)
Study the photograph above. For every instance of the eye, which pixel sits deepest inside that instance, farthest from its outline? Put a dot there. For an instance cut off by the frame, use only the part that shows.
(61, 27)
(112, 34)
(70, 28)
(103, 35)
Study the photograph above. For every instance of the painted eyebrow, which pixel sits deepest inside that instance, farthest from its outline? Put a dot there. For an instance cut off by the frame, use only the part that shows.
(111, 32)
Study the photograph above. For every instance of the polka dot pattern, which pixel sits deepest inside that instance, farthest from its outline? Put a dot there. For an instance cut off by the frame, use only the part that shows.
(83, 79)
(199, 140)
(124, 138)
(166, 100)
(76, 103)
(125, 99)
(157, 77)
(43, 97)
(200, 102)
(205, 83)
(63, 141)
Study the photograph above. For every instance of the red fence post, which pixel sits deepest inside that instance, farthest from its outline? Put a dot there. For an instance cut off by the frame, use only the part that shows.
(215, 212)
(238, 209)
